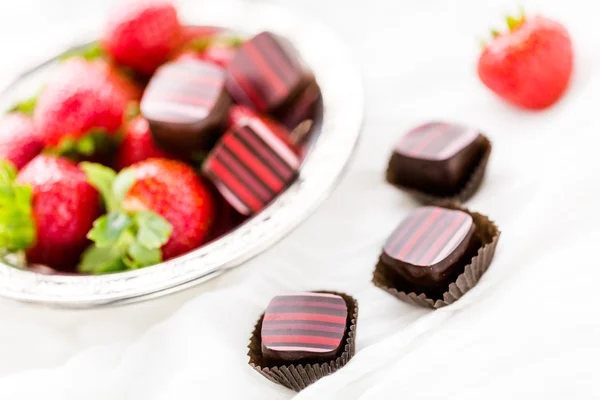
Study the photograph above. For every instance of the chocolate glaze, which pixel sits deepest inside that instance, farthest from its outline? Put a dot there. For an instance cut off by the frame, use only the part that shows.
(267, 73)
(436, 158)
(429, 249)
(186, 105)
(304, 327)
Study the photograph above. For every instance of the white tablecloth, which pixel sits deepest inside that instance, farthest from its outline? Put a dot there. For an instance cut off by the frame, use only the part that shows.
(528, 330)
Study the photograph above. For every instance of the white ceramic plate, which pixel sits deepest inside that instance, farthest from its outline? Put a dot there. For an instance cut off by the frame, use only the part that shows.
(335, 139)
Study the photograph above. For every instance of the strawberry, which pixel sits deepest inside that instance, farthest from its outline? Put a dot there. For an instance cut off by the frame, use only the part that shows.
(80, 109)
(216, 49)
(138, 144)
(192, 33)
(142, 35)
(47, 210)
(529, 66)
(19, 143)
(157, 209)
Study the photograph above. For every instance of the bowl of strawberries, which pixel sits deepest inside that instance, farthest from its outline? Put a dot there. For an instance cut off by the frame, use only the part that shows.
(172, 144)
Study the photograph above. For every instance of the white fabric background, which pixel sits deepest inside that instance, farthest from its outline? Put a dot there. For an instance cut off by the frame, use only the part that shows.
(529, 329)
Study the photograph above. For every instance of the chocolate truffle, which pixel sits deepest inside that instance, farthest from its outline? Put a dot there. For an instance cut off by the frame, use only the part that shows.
(430, 248)
(437, 158)
(304, 327)
(302, 108)
(266, 73)
(252, 164)
(187, 105)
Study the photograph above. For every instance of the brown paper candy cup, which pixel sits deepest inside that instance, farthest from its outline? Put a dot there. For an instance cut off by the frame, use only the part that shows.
(488, 233)
(468, 189)
(299, 376)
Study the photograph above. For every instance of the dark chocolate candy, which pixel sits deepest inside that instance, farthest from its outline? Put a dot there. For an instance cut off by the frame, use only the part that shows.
(187, 105)
(304, 327)
(436, 158)
(252, 164)
(430, 248)
(302, 108)
(266, 73)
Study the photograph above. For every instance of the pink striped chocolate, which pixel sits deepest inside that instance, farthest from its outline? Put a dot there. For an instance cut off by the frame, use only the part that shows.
(429, 236)
(252, 164)
(265, 73)
(436, 141)
(186, 104)
(301, 325)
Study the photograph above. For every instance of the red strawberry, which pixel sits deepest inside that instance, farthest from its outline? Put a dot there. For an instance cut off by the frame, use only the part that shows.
(216, 49)
(157, 209)
(142, 35)
(79, 104)
(48, 211)
(19, 143)
(220, 53)
(138, 144)
(530, 66)
(192, 33)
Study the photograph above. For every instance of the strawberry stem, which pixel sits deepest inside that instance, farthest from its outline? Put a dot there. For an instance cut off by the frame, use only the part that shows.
(123, 239)
(17, 226)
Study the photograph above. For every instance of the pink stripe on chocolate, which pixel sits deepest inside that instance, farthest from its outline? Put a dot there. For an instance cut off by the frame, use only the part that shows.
(299, 348)
(316, 324)
(265, 68)
(307, 326)
(436, 234)
(311, 294)
(435, 141)
(275, 143)
(271, 48)
(308, 304)
(300, 339)
(412, 240)
(305, 317)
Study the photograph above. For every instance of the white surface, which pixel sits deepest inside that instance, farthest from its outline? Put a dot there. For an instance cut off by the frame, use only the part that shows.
(528, 330)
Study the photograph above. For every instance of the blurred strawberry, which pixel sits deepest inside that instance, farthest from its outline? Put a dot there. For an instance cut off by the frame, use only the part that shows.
(47, 210)
(529, 66)
(19, 143)
(216, 49)
(138, 144)
(191, 33)
(142, 35)
(157, 209)
(81, 108)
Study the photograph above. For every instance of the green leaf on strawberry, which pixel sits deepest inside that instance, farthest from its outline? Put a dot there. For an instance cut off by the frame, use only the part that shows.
(17, 226)
(90, 52)
(26, 106)
(96, 141)
(123, 239)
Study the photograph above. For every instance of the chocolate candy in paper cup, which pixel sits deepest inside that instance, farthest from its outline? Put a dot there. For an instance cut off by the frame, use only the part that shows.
(439, 161)
(436, 255)
(303, 337)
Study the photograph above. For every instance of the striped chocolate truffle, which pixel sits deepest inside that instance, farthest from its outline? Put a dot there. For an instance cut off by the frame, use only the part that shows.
(436, 141)
(437, 158)
(429, 236)
(252, 164)
(186, 104)
(266, 73)
(303, 326)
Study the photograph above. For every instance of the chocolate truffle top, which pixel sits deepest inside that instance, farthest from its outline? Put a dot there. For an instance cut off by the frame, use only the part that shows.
(183, 92)
(428, 236)
(251, 165)
(266, 72)
(436, 141)
(304, 323)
